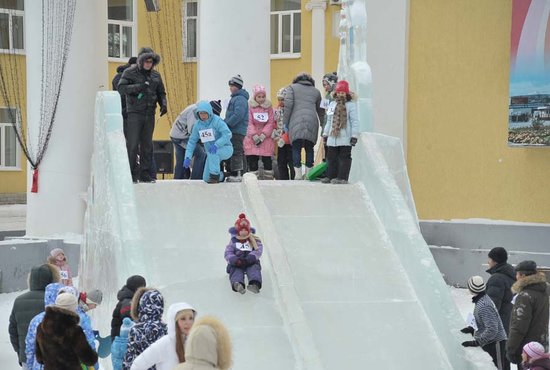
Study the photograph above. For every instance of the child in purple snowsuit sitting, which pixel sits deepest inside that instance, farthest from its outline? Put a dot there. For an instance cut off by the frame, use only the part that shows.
(243, 257)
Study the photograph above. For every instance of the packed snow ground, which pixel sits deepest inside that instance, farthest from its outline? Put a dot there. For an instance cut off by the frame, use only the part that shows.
(8, 357)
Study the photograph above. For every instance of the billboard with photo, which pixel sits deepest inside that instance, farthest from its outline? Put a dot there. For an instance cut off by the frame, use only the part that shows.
(529, 109)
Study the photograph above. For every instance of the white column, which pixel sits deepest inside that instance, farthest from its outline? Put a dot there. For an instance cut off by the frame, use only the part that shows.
(64, 174)
(233, 38)
(317, 8)
(387, 53)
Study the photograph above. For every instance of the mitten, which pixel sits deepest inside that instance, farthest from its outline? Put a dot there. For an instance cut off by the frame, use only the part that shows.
(325, 138)
(256, 139)
(163, 110)
(470, 343)
(251, 259)
(241, 262)
(353, 141)
(213, 149)
(186, 162)
(233, 260)
(468, 330)
(280, 142)
(262, 137)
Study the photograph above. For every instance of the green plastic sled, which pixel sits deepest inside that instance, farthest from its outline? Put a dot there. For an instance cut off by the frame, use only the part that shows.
(316, 171)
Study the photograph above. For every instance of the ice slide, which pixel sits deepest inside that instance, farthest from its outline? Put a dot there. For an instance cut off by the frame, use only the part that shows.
(349, 283)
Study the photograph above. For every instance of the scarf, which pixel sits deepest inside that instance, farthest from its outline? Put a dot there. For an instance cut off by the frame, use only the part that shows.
(340, 117)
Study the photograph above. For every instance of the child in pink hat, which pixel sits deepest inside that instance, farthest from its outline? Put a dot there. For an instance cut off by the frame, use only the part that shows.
(535, 357)
(258, 142)
(58, 259)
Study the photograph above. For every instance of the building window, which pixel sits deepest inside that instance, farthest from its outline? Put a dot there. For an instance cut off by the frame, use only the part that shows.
(9, 150)
(286, 28)
(12, 37)
(190, 28)
(121, 28)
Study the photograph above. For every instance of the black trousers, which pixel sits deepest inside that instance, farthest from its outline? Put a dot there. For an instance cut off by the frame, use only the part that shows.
(139, 137)
(237, 162)
(497, 350)
(284, 163)
(253, 162)
(339, 162)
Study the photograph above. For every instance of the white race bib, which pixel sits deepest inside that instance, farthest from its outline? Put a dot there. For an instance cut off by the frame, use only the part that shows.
(324, 103)
(261, 117)
(64, 274)
(245, 247)
(207, 135)
(471, 321)
(331, 108)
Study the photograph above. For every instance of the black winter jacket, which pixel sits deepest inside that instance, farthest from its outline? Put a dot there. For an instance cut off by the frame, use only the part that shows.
(499, 288)
(529, 322)
(121, 310)
(143, 89)
(28, 305)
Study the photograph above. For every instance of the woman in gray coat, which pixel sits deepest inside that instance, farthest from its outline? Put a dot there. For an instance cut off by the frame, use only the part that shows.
(303, 114)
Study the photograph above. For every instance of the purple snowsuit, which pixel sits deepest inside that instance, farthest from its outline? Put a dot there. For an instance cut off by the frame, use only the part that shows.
(243, 259)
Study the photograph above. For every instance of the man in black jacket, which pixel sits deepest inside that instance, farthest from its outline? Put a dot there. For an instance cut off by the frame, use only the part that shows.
(144, 89)
(500, 283)
(529, 321)
(120, 69)
(28, 305)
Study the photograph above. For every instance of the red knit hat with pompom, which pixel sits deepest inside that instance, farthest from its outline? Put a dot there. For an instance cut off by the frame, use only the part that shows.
(242, 226)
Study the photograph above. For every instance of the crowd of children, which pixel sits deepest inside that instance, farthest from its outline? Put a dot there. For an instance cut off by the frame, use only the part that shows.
(254, 134)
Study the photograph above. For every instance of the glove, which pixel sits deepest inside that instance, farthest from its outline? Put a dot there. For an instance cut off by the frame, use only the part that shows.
(213, 149)
(241, 262)
(353, 141)
(163, 110)
(145, 86)
(186, 162)
(467, 330)
(470, 343)
(256, 140)
(325, 138)
(251, 259)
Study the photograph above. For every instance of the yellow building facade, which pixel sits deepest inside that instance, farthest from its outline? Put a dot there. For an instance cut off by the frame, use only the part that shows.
(457, 103)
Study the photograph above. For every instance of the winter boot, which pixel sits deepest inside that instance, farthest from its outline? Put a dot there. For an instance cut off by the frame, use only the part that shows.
(338, 181)
(237, 178)
(307, 171)
(325, 180)
(214, 179)
(238, 287)
(254, 288)
(267, 175)
(298, 173)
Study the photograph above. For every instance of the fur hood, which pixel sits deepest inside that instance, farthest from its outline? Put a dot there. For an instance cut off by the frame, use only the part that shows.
(57, 320)
(254, 104)
(209, 344)
(304, 79)
(538, 279)
(146, 53)
(134, 310)
(41, 276)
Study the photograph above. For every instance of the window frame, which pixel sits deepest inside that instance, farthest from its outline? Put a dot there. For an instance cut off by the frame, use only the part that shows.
(281, 54)
(185, 18)
(11, 13)
(4, 126)
(132, 24)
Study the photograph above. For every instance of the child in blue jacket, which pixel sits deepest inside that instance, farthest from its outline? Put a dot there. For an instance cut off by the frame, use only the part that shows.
(212, 131)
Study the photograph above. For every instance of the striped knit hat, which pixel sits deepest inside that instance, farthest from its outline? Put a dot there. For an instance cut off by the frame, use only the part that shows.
(476, 284)
(236, 81)
(534, 350)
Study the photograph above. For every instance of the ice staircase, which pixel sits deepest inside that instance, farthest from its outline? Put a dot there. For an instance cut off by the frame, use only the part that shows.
(349, 283)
